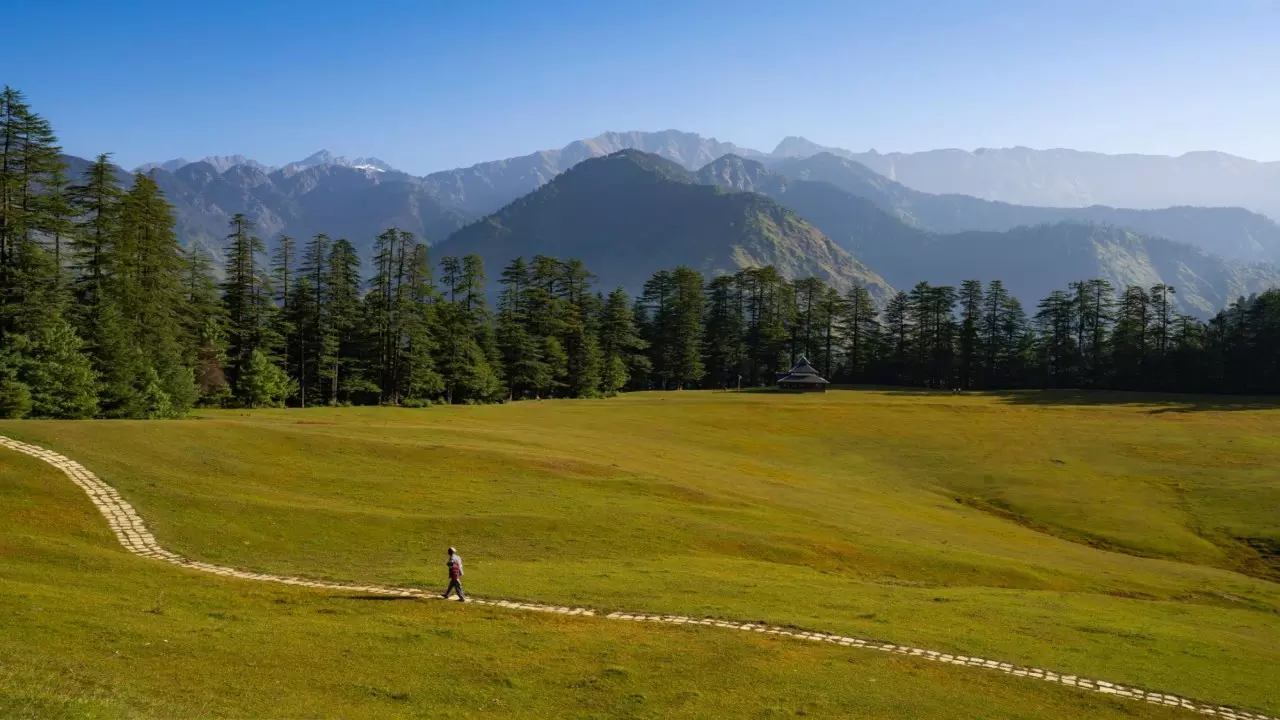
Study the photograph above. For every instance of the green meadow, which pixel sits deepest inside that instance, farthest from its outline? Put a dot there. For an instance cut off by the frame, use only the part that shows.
(1130, 538)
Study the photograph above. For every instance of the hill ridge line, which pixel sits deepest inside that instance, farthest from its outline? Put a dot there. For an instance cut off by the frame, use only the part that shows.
(133, 535)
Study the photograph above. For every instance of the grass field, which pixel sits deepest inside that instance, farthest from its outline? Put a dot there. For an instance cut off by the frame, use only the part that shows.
(1123, 537)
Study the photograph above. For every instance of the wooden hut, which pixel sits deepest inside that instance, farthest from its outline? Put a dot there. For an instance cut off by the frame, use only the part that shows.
(802, 378)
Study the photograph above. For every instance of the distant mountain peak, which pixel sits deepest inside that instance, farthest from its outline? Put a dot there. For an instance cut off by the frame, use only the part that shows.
(170, 165)
(324, 157)
(796, 146)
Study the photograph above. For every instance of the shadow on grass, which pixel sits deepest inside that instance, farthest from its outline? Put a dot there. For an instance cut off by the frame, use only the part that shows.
(1158, 403)
(378, 597)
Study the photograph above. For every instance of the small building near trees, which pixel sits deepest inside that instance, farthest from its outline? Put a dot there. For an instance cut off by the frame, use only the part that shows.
(802, 378)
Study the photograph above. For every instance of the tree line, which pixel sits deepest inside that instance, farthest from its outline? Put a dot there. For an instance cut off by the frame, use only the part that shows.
(103, 313)
(1087, 336)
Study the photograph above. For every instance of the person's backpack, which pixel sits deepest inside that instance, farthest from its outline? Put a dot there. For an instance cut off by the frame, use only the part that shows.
(454, 571)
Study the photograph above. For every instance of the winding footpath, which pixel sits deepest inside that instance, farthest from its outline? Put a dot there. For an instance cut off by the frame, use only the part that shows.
(134, 536)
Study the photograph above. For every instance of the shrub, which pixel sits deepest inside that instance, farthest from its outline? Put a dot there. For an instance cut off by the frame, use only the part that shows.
(15, 400)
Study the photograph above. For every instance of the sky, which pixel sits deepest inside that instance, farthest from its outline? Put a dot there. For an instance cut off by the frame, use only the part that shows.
(429, 85)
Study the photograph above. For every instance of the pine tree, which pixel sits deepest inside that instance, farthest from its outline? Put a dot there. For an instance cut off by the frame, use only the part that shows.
(1055, 323)
(1003, 328)
(341, 341)
(13, 110)
(245, 298)
(48, 367)
(33, 277)
(579, 331)
(263, 383)
(465, 365)
(525, 372)
(312, 317)
(15, 397)
(621, 346)
(108, 260)
(862, 334)
(806, 298)
(768, 310)
(97, 201)
(381, 311)
(464, 368)
(30, 169)
(423, 380)
(285, 315)
(920, 343)
(1130, 342)
(724, 349)
(970, 323)
(688, 300)
(57, 216)
(897, 324)
(1094, 303)
(1162, 318)
(148, 286)
(203, 328)
(655, 305)
(827, 320)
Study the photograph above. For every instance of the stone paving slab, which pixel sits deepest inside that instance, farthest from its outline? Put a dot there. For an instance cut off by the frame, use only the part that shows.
(132, 533)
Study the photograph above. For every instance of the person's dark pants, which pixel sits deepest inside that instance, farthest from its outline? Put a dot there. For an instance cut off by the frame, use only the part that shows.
(455, 585)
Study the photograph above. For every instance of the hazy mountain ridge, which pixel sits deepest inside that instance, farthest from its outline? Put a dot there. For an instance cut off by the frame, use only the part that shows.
(1032, 260)
(1233, 233)
(1075, 178)
(629, 214)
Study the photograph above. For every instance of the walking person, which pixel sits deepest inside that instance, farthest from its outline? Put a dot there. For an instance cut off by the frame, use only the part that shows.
(455, 576)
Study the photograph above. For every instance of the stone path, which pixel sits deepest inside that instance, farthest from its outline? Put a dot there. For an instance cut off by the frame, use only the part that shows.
(134, 536)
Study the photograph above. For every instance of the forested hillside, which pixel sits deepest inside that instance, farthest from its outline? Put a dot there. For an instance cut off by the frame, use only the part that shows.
(1230, 232)
(631, 213)
(1034, 259)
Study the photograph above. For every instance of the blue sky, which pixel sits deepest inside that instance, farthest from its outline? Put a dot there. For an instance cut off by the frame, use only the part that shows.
(429, 85)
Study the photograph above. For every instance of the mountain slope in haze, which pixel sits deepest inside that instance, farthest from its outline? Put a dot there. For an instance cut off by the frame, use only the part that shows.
(486, 187)
(1032, 261)
(357, 204)
(629, 214)
(1072, 178)
(1233, 233)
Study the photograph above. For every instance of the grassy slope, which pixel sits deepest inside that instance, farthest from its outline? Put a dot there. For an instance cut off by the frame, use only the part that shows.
(837, 512)
(90, 632)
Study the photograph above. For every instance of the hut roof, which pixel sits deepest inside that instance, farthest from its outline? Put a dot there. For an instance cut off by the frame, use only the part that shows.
(802, 368)
(804, 378)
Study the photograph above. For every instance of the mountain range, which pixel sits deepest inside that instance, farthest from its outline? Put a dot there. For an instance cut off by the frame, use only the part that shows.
(826, 214)
(299, 201)
(1232, 232)
(223, 163)
(1018, 175)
